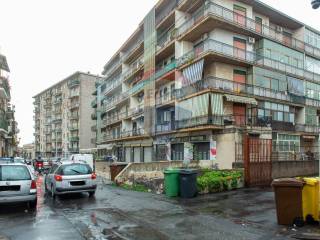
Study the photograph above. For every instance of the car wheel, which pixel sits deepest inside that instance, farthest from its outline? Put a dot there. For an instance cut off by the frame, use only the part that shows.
(33, 204)
(53, 195)
(91, 194)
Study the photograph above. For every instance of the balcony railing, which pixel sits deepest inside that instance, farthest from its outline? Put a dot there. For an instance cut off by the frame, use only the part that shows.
(73, 149)
(94, 103)
(113, 85)
(134, 47)
(166, 98)
(73, 83)
(307, 128)
(165, 127)
(124, 134)
(74, 139)
(115, 100)
(116, 117)
(74, 127)
(136, 110)
(73, 115)
(228, 86)
(74, 105)
(252, 58)
(227, 15)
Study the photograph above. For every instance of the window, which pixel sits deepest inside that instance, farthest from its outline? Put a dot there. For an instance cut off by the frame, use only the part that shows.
(177, 151)
(287, 143)
(14, 173)
(278, 112)
(75, 169)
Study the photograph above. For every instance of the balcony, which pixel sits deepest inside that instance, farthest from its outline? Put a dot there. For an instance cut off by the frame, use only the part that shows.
(136, 49)
(57, 101)
(73, 83)
(74, 127)
(94, 116)
(165, 127)
(57, 119)
(228, 86)
(115, 118)
(307, 128)
(74, 94)
(112, 85)
(212, 15)
(136, 111)
(134, 69)
(73, 116)
(113, 102)
(165, 99)
(218, 51)
(94, 103)
(74, 105)
(57, 92)
(74, 139)
(73, 149)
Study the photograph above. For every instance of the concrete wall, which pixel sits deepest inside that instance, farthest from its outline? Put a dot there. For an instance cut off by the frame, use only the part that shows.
(294, 168)
(87, 87)
(226, 149)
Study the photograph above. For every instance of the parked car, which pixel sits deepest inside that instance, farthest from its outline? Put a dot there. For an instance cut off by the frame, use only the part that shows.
(87, 158)
(70, 177)
(17, 184)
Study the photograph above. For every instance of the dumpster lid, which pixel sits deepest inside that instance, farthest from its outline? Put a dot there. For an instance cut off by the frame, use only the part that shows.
(310, 181)
(188, 171)
(171, 170)
(287, 182)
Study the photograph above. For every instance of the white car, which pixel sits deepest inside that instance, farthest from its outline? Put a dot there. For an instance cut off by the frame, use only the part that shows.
(17, 184)
(70, 177)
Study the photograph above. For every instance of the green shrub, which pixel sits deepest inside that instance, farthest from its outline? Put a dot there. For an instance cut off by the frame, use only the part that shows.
(214, 181)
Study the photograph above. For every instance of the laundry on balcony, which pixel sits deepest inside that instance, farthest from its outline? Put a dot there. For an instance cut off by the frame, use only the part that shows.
(240, 99)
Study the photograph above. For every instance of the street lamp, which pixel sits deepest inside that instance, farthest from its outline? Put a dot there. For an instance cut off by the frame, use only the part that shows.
(315, 4)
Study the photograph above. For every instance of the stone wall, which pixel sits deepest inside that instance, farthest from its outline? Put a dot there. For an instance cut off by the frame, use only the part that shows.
(103, 169)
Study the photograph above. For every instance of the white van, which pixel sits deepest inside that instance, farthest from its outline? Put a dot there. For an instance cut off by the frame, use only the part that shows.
(88, 158)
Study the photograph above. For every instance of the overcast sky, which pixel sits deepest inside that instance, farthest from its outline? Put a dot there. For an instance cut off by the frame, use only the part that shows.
(47, 40)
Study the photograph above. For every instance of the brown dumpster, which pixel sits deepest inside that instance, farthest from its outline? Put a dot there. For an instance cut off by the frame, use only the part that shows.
(288, 198)
(115, 169)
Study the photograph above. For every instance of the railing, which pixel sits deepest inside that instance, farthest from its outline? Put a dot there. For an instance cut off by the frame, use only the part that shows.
(74, 94)
(137, 110)
(228, 86)
(73, 83)
(249, 24)
(159, 73)
(114, 83)
(307, 128)
(74, 116)
(74, 139)
(115, 100)
(73, 149)
(74, 105)
(165, 12)
(135, 46)
(166, 37)
(242, 55)
(134, 67)
(94, 103)
(166, 98)
(124, 134)
(57, 101)
(116, 117)
(165, 127)
(74, 127)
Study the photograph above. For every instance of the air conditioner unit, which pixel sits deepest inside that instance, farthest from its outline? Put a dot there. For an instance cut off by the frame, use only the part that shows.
(252, 40)
(279, 29)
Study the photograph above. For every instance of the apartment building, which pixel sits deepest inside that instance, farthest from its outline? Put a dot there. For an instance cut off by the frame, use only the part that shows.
(197, 76)
(8, 125)
(63, 116)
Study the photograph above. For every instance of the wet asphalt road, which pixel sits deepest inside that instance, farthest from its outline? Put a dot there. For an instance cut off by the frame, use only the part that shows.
(118, 214)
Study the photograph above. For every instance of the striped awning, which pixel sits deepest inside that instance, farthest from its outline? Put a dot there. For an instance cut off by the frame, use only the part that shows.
(3, 63)
(239, 99)
(193, 73)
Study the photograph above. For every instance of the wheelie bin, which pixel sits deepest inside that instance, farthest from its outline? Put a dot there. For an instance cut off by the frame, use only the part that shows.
(310, 200)
(188, 183)
(288, 198)
(171, 182)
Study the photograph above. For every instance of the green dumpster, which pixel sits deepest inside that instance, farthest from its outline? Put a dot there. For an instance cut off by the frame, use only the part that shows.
(171, 182)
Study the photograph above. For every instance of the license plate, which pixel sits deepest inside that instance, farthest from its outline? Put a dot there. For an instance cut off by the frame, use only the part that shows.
(77, 183)
(9, 188)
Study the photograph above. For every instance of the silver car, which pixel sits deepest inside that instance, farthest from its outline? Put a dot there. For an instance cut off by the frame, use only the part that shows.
(70, 177)
(17, 184)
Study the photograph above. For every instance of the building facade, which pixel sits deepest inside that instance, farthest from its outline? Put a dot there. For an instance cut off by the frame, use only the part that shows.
(197, 76)
(8, 126)
(28, 151)
(63, 116)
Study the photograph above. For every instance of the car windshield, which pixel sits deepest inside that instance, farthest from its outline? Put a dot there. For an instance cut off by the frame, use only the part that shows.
(76, 169)
(14, 173)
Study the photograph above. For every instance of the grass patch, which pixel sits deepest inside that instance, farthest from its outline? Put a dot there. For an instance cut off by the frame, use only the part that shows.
(134, 187)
